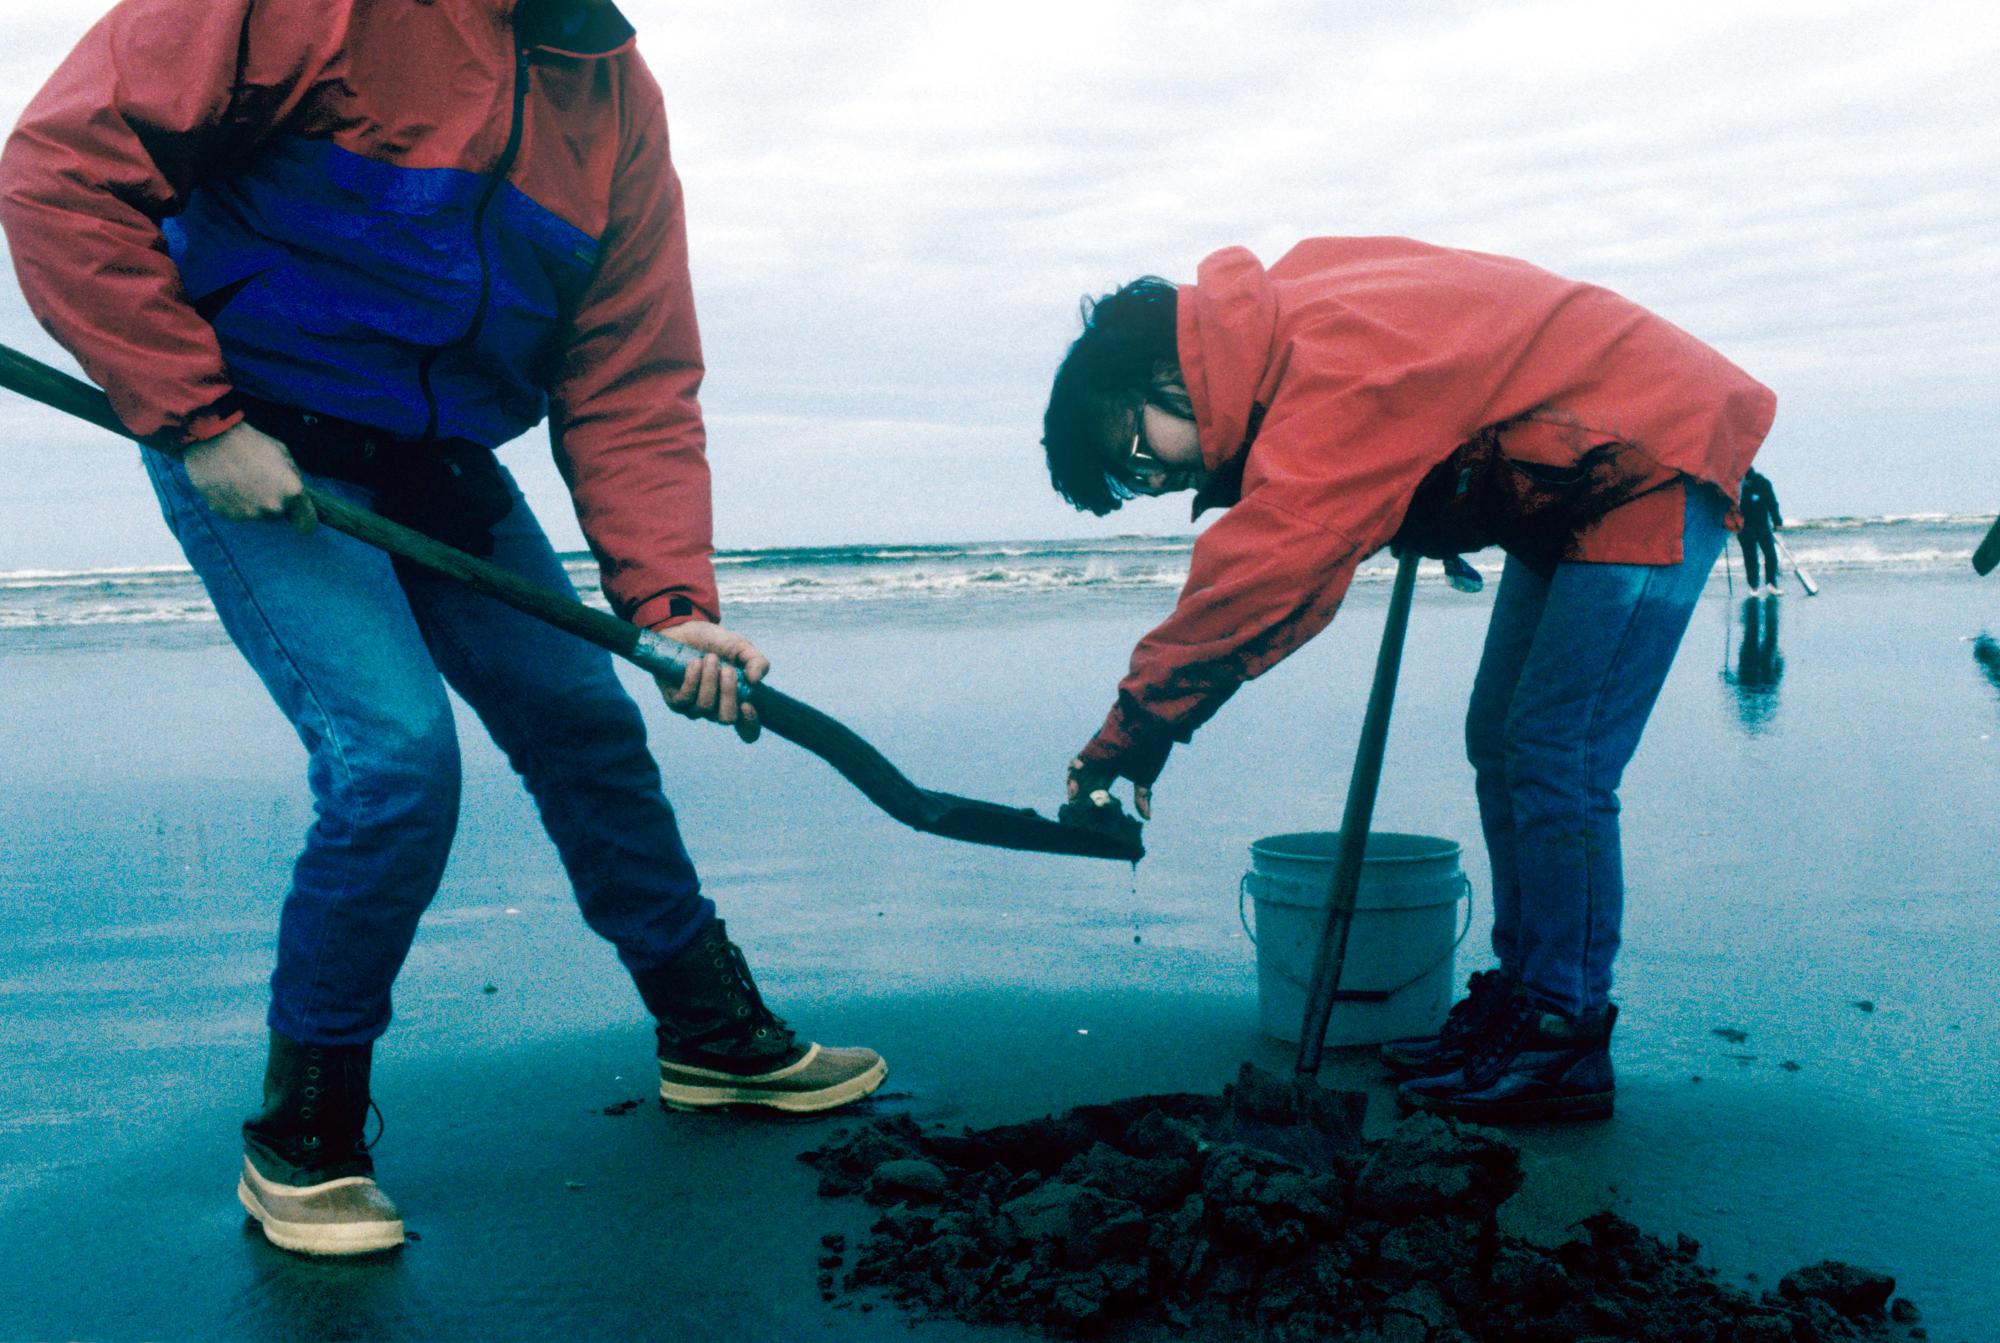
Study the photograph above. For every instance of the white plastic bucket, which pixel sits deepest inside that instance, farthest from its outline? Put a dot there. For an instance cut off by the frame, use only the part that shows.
(1401, 947)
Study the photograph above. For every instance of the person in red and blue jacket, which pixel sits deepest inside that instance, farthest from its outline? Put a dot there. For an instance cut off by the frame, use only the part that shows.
(1364, 392)
(367, 244)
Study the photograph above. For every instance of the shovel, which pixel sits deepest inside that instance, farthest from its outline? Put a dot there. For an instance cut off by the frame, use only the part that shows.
(1331, 956)
(1805, 579)
(1988, 554)
(934, 813)
(1304, 1122)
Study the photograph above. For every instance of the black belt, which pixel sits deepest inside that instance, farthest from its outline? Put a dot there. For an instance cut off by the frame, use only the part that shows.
(451, 489)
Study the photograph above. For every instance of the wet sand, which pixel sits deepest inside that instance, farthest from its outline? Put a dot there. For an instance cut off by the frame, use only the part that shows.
(1792, 850)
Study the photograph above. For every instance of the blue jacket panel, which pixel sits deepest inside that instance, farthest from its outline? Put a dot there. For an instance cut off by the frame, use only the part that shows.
(423, 301)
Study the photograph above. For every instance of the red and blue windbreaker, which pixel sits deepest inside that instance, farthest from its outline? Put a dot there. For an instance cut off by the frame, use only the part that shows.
(440, 218)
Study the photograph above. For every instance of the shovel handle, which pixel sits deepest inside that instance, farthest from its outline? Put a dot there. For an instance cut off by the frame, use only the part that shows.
(1805, 579)
(655, 653)
(946, 814)
(663, 657)
(1331, 957)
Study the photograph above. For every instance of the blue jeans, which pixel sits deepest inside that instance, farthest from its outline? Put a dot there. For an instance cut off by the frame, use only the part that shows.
(357, 650)
(1572, 667)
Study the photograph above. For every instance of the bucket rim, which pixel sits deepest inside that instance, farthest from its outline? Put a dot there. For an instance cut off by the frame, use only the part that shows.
(1306, 846)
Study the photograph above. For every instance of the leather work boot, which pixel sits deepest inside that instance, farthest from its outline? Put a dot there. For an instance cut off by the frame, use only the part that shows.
(719, 1044)
(1428, 1055)
(307, 1176)
(1529, 1064)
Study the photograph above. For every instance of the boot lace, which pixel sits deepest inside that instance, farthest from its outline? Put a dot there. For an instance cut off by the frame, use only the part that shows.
(1469, 1014)
(1508, 1029)
(768, 1022)
(312, 1144)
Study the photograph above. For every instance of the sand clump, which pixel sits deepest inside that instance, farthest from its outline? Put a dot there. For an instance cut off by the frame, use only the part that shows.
(1226, 1217)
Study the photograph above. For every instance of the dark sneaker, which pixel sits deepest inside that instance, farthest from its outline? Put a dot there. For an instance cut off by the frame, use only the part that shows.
(307, 1176)
(720, 1045)
(1428, 1055)
(1528, 1065)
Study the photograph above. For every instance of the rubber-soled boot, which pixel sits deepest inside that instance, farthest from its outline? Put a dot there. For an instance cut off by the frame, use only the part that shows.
(719, 1044)
(307, 1176)
(1486, 993)
(1529, 1064)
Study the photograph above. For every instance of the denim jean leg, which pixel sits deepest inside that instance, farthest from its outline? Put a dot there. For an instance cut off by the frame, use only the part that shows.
(324, 623)
(554, 704)
(1510, 631)
(1601, 652)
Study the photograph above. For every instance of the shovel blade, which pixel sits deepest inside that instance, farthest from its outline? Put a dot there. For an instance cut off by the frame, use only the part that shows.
(1988, 554)
(1293, 1117)
(998, 827)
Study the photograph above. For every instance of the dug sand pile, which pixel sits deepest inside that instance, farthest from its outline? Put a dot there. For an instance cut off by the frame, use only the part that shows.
(1232, 1218)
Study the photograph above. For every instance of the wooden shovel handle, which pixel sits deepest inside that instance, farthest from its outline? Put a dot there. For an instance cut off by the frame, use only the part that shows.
(1331, 957)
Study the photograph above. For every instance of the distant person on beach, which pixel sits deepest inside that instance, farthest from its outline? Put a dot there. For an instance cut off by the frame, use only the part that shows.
(365, 245)
(1758, 537)
(1364, 392)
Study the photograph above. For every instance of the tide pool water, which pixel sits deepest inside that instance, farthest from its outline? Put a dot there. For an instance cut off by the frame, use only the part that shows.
(1806, 1055)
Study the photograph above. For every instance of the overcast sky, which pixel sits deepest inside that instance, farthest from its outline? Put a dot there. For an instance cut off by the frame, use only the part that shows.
(894, 208)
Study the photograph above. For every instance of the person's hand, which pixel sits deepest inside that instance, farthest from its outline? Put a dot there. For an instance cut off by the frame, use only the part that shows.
(709, 688)
(1094, 785)
(247, 476)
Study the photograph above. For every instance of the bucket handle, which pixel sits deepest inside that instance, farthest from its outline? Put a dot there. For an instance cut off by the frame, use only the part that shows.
(1361, 995)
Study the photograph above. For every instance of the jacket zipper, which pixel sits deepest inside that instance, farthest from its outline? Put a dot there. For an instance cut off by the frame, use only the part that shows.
(494, 181)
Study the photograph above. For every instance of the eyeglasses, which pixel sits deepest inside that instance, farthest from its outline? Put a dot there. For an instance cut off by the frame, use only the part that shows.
(1140, 469)
(1140, 459)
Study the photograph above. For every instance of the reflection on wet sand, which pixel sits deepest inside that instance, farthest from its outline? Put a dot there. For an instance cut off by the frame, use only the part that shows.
(1986, 653)
(1759, 665)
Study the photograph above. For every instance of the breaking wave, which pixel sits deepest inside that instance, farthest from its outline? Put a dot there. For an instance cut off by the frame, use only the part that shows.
(43, 599)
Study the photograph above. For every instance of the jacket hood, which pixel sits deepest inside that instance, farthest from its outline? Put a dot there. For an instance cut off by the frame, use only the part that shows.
(571, 28)
(1226, 326)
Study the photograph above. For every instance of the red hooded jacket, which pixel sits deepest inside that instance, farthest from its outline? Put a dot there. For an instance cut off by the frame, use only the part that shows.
(436, 217)
(1337, 379)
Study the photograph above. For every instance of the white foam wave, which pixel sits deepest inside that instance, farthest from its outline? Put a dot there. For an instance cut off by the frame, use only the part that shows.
(1914, 560)
(1843, 523)
(942, 583)
(42, 618)
(170, 595)
(86, 578)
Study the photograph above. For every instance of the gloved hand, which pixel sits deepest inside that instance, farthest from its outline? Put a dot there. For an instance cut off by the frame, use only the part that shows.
(1090, 785)
(248, 476)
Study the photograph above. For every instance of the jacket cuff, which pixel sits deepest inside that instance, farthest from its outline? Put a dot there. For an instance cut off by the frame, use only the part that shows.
(1138, 755)
(211, 421)
(669, 609)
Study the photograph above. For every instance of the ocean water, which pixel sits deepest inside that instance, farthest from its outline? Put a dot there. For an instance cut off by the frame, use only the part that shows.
(49, 601)
(1810, 846)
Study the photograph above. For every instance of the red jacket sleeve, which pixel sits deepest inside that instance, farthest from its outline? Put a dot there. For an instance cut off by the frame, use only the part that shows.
(155, 93)
(624, 416)
(1264, 579)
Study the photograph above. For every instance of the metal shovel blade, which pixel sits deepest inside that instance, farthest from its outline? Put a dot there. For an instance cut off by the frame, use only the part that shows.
(1988, 554)
(944, 814)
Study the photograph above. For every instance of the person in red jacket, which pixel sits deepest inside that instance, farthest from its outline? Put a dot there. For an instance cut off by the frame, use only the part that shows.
(365, 245)
(1364, 392)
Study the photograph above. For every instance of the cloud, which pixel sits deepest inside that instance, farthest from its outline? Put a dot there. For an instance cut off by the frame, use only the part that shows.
(895, 208)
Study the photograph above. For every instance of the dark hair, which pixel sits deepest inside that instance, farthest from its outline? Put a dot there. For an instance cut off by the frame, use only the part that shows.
(1126, 349)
